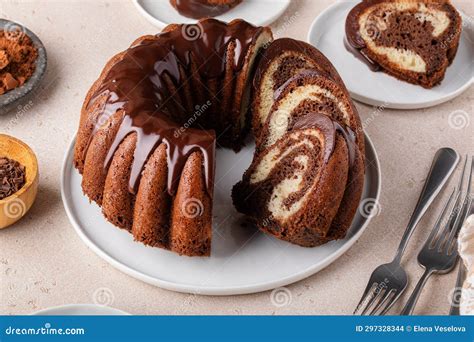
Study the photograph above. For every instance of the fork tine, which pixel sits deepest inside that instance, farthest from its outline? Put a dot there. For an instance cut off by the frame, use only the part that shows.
(462, 213)
(382, 300)
(444, 232)
(370, 285)
(390, 303)
(372, 300)
(458, 223)
(434, 232)
(461, 180)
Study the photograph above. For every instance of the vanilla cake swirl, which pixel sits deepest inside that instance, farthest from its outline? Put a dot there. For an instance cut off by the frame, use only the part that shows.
(413, 40)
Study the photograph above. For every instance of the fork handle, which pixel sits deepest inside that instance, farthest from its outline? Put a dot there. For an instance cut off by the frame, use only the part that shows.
(410, 305)
(444, 163)
(455, 300)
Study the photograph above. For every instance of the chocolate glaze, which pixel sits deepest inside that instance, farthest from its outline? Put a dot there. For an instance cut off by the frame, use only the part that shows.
(198, 9)
(353, 42)
(137, 85)
(360, 54)
(328, 128)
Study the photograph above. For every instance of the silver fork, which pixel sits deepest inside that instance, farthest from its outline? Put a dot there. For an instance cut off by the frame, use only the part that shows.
(440, 253)
(389, 281)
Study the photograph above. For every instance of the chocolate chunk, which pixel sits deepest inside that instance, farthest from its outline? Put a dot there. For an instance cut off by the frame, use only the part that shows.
(12, 177)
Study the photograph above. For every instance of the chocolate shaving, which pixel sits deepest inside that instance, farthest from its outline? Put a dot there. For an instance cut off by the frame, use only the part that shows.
(12, 177)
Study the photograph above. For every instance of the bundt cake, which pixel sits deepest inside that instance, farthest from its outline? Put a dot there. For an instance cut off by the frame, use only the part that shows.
(146, 139)
(151, 122)
(198, 9)
(413, 40)
(288, 190)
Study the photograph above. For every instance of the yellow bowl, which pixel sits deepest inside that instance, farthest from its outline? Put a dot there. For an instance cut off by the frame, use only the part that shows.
(17, 205)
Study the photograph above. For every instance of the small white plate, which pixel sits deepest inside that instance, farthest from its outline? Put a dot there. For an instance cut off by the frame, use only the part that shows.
(377, 88)
(257, 12)
(243, 260)
(80, 310)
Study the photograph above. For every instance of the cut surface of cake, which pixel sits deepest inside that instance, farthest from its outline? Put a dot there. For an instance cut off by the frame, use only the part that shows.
(310, 91)
(293, 189)
(146, 141)
(302, 96)
(413, 40)
(198, 9)
(282, 59)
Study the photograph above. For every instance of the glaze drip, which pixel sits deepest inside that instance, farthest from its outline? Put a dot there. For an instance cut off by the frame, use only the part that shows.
(353, 42)
(359, 53)
(138, 84)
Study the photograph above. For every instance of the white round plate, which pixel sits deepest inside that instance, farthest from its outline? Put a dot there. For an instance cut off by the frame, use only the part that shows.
(80, 310)
(258, 12)
(377, 88)
(243, 260)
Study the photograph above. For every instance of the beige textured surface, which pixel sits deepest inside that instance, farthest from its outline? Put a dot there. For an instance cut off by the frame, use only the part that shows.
(43, 262)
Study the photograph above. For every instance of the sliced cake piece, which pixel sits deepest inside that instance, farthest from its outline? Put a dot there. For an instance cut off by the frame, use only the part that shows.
(309, 92)
(282, 59)
(240, 108)
(293, 189)
(413, 40)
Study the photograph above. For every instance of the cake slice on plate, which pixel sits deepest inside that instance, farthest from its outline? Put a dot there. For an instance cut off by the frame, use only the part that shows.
(293, 189)
(413, 40)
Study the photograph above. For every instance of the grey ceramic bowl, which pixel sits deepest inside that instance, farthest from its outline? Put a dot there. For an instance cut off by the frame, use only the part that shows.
(17, 96)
